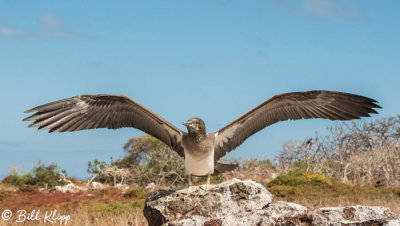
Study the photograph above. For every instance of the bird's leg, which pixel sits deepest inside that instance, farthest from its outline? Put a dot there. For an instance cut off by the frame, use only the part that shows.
(190, 183)
(190, 180)
(208, 181)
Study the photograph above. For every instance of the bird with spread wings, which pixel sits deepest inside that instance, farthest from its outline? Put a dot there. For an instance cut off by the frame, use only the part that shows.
(116, 111)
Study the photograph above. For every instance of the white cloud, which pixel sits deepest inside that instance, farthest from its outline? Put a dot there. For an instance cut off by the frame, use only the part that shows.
(325, 8)
(330, 8)
(9, 32)
(49, 27)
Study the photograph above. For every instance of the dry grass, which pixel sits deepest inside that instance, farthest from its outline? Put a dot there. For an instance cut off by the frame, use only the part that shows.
(7, 187)
(92, 219)
(134, 218)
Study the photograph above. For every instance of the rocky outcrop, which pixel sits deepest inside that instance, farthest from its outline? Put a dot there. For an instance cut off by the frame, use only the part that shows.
(95, 185)
(238, 202)
(69, 188)
(354, 215)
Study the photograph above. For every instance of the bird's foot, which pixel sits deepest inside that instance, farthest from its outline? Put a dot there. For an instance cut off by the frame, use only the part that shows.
(188, 190)
(207, 187)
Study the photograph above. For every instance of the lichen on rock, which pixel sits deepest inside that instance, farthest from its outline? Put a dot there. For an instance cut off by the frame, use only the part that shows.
(246, 202)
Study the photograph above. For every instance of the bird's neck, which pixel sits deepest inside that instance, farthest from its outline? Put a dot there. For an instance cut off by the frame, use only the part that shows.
(198, 135)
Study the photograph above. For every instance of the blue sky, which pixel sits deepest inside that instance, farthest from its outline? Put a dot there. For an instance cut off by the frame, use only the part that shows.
(213, 59)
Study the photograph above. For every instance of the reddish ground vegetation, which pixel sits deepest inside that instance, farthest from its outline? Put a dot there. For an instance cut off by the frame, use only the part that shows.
(85, 208)
(53, 199)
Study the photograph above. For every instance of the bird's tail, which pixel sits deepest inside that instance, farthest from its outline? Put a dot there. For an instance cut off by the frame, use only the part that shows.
(222, 168)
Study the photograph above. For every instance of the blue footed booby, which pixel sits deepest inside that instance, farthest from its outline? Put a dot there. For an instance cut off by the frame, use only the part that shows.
(201, 150)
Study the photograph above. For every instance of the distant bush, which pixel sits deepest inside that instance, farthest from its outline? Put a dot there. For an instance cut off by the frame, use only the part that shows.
(41, 175)
(95, 168)
(18, 180)
(254, 169)
(150, 160)
(147, 160)
(358, 152)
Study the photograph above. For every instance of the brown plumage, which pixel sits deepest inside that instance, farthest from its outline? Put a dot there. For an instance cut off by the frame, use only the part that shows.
(117, 111)
(104, 111)
(293, 106)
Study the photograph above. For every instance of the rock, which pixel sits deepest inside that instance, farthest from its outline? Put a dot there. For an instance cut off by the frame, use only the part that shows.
(365, 215)
(69, 188)
(230, 202)
(394, 222)
(95, 185)
(151, 185)
(123, 187)
(287, 212)
(247, 202)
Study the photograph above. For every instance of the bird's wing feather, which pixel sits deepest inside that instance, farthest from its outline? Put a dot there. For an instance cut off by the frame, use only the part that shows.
(292, 106)
(104, 111)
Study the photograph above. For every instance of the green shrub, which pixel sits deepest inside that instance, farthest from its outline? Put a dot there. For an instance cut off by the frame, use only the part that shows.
(301, 177)
(284, 191)
(18, 180)
(302, 183)
(46, 175)
(41, 175)
(95, 167)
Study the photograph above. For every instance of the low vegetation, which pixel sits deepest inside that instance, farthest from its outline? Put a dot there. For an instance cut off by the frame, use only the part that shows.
(315, 190)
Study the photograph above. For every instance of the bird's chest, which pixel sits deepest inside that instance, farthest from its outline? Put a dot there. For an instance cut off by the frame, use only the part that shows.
(199, 156)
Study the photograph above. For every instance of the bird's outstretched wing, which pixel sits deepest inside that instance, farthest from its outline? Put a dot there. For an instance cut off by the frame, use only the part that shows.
(104, 111)
(292, 106)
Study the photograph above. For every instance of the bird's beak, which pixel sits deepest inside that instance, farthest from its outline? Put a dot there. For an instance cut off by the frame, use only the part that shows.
(186, 123)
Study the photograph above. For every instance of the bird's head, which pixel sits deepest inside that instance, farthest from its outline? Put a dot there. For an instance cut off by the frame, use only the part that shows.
(195, 125)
